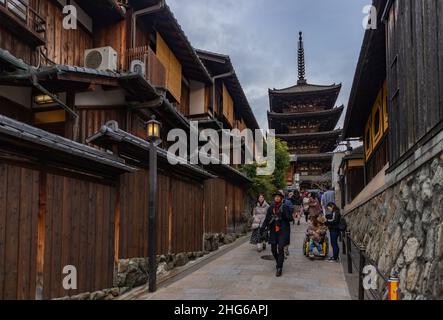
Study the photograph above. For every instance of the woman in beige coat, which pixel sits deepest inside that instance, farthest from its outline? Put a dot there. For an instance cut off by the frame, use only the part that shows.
(259, 216)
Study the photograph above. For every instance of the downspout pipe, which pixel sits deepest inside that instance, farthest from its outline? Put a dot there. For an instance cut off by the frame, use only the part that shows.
(143, 12)
(214, 79)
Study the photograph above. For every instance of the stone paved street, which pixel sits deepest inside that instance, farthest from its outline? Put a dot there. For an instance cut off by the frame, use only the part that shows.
(241, 274)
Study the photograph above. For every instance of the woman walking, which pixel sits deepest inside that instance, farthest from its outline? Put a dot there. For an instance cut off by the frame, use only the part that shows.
(277, 221)
(333, 218)
(259, 215)
(314, 206)
(305, 206)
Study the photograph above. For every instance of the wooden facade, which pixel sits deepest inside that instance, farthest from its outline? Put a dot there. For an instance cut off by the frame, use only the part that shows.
(91, 215)
(395, 105)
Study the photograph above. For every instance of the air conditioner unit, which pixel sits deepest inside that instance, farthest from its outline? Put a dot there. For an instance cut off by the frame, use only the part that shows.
(138, 66)
(104, 59)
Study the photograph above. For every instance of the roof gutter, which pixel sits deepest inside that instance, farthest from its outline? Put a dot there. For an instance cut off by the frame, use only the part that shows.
(143, 12)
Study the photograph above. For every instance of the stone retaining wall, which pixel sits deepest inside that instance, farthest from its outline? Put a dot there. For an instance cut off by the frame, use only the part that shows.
(402, 230)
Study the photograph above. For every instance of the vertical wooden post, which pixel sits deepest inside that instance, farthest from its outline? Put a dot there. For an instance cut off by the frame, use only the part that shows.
(41, 235)
(170, 215)
(117, 224)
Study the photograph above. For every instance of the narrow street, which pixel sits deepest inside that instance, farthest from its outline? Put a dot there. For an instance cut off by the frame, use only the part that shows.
(241, 274)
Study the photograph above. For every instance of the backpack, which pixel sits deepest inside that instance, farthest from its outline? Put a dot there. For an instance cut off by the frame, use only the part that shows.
(342, 225)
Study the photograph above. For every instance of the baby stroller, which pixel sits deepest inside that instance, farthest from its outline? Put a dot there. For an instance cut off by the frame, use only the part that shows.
(324, 244)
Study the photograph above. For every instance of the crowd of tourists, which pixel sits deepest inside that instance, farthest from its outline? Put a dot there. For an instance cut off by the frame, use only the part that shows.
(272, 224)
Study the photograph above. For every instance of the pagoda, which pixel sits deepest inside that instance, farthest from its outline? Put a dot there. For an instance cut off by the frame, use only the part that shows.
(305, 117)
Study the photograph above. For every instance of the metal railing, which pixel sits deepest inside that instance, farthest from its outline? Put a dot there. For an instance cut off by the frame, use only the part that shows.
(358, 259)
(23, 11)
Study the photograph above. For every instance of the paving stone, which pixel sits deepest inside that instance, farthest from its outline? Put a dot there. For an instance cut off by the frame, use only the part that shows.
(241, 274)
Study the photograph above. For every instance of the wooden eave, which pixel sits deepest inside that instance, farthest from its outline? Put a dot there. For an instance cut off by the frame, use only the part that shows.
(167, 25)
(57, 151)
(218, 64)
(311, 136)
(136, 151)
(368, 79)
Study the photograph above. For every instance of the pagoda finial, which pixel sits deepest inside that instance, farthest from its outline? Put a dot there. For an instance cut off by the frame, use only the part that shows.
(301, 60)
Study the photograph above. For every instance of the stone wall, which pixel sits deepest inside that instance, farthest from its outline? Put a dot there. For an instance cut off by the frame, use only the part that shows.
(132, 273)
(402, 229)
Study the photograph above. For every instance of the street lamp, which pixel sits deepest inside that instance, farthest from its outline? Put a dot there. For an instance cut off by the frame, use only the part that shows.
(153, 136)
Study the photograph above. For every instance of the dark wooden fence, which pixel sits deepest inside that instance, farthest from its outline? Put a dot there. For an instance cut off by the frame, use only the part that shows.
(49, 220)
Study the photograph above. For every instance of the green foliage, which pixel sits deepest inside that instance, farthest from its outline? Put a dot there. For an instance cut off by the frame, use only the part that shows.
(269, 184)
(282, 163)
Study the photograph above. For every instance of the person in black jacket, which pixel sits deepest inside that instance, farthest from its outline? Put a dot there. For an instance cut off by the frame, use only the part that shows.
(278, 223)
(333, 218)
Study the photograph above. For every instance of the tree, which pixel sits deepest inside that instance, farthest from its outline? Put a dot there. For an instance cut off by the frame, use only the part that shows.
(269, 184)
(282, 163)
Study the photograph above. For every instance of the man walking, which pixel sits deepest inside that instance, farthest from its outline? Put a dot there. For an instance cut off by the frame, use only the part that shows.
(278, 220)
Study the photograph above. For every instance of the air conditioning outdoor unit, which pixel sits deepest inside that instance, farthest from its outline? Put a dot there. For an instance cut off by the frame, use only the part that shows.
(138, 66)
(104, 59)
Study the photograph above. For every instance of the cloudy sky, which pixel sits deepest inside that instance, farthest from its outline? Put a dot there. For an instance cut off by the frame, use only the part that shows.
(261, 38)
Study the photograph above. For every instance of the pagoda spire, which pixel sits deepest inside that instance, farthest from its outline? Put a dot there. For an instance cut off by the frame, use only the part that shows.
(301, 61)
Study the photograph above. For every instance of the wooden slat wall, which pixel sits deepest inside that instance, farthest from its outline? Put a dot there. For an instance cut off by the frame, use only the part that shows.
(18, 231)
(79, 232)
(179, 213)
(63, 46)
(92, 119)
(415, 82)
(115, 37)
(215, 201)
(220, 195)
(17, 47)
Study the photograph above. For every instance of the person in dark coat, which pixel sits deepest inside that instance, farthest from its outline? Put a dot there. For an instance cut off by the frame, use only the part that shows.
(333, 218)
(277, 222)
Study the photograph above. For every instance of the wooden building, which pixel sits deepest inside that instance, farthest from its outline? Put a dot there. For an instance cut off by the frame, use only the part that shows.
(351, 175)
(304, 116)
(92, 89)
(396, 109)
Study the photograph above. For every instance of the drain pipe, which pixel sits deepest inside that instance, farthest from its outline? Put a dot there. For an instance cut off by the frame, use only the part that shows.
(143, 12)
(214, 79)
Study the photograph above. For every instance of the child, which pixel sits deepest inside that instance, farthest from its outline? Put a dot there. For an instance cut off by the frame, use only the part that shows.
(316, 233)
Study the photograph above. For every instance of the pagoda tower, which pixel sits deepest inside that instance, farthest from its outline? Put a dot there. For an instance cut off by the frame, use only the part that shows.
(305, 117)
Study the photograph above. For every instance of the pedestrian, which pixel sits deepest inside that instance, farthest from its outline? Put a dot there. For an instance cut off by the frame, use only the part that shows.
(289, 204)
(327, 197)
(259, 215)
(305, 206)
(333, 218)
(278, 219)
(314, 206)
(297, 203)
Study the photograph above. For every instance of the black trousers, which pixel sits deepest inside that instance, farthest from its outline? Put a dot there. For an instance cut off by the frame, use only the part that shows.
(279, 255)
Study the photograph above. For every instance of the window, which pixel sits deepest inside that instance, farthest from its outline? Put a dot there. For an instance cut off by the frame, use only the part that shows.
(368, 139)
(385, 107)
(377, 120)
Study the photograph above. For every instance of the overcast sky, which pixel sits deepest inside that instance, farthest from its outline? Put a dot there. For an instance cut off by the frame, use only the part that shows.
(261, 38)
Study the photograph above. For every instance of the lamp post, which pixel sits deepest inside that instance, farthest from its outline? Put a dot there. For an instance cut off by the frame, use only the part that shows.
(153, 136)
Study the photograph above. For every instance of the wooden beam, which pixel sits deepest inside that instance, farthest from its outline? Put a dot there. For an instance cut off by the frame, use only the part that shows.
(41, 228)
